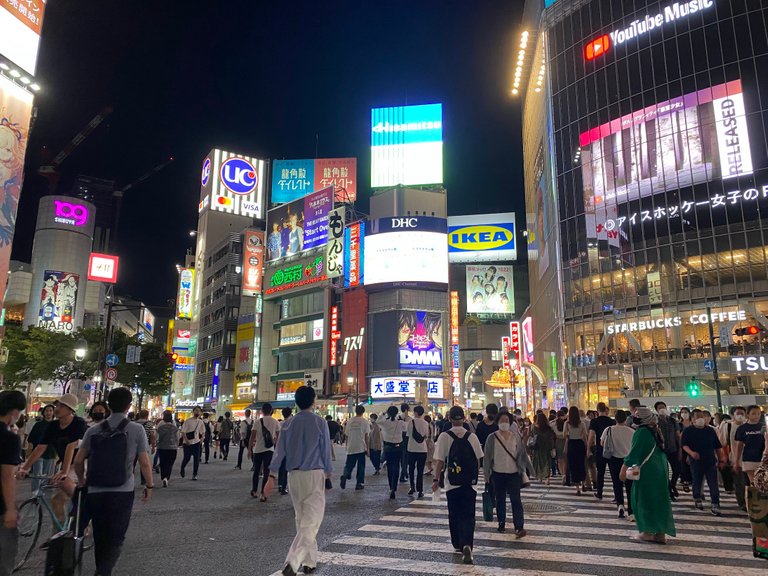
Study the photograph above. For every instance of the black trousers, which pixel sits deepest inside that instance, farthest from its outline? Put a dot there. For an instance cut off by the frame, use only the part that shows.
(207, 449)
(261, 460)
(243, 446)
(110, 514)
(191, 451)
(416, 462)
(282, 477)
(509, 484)
(676, 466)
(224, 445)
(352, 461)
(393, 455)
(601, 463)
(167, 458)
(461, 516)
(403, 461)
(615, 464)
(376, 459)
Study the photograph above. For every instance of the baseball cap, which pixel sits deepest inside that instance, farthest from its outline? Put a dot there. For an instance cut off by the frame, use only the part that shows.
(68, 400)
(456, 413)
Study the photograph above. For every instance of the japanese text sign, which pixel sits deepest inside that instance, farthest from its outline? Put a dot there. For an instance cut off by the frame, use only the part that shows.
(335, 247)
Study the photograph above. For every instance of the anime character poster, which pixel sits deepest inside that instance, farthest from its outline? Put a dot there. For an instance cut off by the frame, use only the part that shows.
(490, 289)
(15, 112)
(58, 301)
(420, 340)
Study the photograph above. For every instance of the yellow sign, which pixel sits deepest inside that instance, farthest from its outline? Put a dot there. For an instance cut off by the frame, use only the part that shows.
(501, 378)
(476, 238)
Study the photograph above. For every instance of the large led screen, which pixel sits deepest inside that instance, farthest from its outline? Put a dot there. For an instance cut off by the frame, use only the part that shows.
(233, 184)
(694, 138)
(420, 340)
(407, 145)
(299, 225)
(294, 179)
(21, 22)
(406, 252)
(490, 290)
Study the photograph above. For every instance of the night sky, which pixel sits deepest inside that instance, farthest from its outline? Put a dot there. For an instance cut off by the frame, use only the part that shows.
(269, 79)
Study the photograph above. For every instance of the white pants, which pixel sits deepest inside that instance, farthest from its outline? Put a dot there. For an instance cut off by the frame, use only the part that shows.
(307, 490)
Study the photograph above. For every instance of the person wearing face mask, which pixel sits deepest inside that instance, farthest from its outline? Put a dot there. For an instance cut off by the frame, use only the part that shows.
(671, 436)
(750, 443)
(701, 444)
(651, 505)
(97, 413)
(685, 469)
(192, 433)
(727, 435)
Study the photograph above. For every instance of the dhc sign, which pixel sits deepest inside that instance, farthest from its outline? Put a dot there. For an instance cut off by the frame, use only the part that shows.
(239, 176)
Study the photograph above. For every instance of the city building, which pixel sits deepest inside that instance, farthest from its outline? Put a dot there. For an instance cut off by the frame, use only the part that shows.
(646, 182)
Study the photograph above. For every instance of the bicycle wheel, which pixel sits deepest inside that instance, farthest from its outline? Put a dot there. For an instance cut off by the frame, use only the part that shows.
(29, 526)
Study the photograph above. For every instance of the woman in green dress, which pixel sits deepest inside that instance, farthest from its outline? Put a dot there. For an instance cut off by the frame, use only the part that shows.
(650, 494)
(543, 448)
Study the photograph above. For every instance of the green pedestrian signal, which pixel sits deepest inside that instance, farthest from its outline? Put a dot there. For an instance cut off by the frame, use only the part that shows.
(370, 400)
(693, 388)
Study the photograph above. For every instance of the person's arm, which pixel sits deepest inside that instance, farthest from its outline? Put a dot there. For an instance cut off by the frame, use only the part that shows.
(34, 457)
(7, 473)
(80, 464)
(590, 439)
(325, 452)
(252, 440)
(69, 454)
(146, 471)
(738, 450)
(490, 450)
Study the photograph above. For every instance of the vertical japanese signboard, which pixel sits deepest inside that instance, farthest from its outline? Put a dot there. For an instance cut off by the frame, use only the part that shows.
(334, 250)
(353, 254)
(335, 335)
(515, 350)
(184, 299)
(253, 262)
(455, 378)
(505, 351)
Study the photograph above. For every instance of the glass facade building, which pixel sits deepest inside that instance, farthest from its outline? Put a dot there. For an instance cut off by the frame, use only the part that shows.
(646, 161)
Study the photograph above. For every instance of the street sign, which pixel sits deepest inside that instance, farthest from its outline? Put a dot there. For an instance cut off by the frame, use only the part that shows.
(709, 365)
(111, 374)
(112, 360)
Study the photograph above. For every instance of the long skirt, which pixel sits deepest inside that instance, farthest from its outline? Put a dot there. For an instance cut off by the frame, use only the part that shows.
(577, 455)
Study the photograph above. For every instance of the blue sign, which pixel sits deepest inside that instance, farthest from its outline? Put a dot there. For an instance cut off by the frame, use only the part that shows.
(112, 360)
(409, 224)
(206, 174)
(239, 176)
(406, 125)
(548, 3)
(709, 365)
(292, 179)
(215, 380)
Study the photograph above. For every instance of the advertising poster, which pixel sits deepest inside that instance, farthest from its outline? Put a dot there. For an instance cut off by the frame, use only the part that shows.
(245, 342)
(299, 225)
(232, 183)
(184, 299)
(21, 22)
(294, 179)
(482, 238)
(334, 254)
(420, 340)
(58, 301)
(490, 290)
(253, 262)
(15, 111)
(354, 236)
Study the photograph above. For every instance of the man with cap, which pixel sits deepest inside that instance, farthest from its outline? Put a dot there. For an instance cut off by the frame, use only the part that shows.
(461, 498)
(64, 434)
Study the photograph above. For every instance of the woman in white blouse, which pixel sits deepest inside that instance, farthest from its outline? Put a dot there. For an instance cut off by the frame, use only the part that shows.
(392, 432)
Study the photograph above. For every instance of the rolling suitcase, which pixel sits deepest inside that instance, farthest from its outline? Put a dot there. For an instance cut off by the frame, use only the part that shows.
(64, 548)
(757, 505)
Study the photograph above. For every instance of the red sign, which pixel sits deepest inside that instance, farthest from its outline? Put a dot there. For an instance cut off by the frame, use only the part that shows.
(505, 350)
(598, 47)
(103, 268)
(28, 12)
(341, 173)
(514, 342)
(253, 262)
(335, 335)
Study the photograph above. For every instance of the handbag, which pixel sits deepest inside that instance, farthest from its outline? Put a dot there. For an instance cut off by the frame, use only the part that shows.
(608, 447)
(633, 472)
(525, 479)
(487, 506)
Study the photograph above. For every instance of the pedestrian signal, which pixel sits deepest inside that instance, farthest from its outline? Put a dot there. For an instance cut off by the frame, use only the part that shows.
(693, 388)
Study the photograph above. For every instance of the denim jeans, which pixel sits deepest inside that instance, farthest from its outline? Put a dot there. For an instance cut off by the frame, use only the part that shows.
(191, 451)
(393, 455)
(376, 459)
(261, 462)
(352, 460)
(42, 467)
(110, 514)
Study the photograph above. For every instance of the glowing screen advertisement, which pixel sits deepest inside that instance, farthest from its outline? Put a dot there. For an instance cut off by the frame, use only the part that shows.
(490, 290)
(58, 301)
(21, 22)
(694, 138)
(407, 145)
(299, 225)
(421, 242)
(420, 340)
(482, 238)
(184, 299)
(294, 179)
(232, 183)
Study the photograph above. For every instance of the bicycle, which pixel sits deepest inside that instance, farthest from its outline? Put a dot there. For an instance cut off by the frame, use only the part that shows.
(30, 523)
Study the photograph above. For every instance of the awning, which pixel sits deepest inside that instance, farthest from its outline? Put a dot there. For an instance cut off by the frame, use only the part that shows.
(256, 406)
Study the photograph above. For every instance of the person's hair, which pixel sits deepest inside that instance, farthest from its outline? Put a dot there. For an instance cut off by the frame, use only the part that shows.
(96, 405)
(688, 409)
(359, 409)
(167, 416)
(541, 422)
(418, 410)
(143, 414)
(695, 410)
(708, 413)
(754, 407)
(206, 415)
(392, 412)
(659, 403)
(518, 412)
(11, 400)
(287, 412)
(734, 408)
(197, 408)
(305, 397)
(247, 412)
(574, 418)
(221, 419)
(227, 414)
(456, 413)
(119, 399)
(635, 403)
(601, 407)
(266, 409)
(621, 416)
(374, 416)
(404, 407)
(503, 414)
(491, 410)
(428, 419)
(473, 415)
(328, 417)
(44, 408)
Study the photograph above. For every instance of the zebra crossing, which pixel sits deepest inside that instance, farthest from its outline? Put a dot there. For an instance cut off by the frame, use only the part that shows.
(567, 534)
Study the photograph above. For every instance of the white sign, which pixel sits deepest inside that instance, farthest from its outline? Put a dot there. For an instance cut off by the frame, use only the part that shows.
(750, 363)
(675, 321)
(20, 25)
(671, 13)
(314, 380)
(732, 136)
(317, 329)
(334, 249)
(403, 387)
(406, 257)
(285, 396)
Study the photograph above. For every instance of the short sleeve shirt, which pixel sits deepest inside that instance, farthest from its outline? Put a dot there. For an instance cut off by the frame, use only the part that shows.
(270, 424)
(443, 448)
(704, 441)
(10, 454)
(600, 425)
(60, 438)
(753, 437)
(357, 428)
(423, 427)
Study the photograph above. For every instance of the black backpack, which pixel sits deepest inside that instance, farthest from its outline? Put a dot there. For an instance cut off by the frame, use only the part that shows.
(416, 435)
(108, 465)
(267, 435)
(462, 465)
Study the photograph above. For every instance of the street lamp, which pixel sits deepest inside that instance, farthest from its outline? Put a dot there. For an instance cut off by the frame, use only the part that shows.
(81, 349)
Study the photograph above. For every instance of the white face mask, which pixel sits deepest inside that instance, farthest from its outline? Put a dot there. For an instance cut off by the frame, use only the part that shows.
(663, 411)
(685, 415)
(504, 426)
(739, 417)
(699, 422)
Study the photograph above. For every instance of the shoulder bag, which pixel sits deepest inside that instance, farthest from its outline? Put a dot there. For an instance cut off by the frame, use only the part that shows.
(633, 472)
(608, 448)
(526, 481)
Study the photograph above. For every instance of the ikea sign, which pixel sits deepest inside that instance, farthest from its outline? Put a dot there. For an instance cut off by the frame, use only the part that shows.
(482, 238)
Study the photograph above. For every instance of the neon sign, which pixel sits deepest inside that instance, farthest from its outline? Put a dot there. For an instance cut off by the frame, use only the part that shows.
(68, 213)
(297, 275)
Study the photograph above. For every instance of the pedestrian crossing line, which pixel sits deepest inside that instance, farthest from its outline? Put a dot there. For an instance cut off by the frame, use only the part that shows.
(561, 558)
(424, 566)
(674, 547)
(715, 538)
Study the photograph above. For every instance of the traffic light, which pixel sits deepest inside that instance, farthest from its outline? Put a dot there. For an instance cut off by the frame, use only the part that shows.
(748, 331)
(173, 356)
(369, 401)
(693, 388)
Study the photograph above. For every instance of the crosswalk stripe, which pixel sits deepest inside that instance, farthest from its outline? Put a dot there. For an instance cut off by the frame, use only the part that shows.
(675, 547)
(559, 557)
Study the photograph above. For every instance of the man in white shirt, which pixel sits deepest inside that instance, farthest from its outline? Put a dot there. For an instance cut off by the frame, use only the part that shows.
(461, 496)
(417, 431)
(192, 433)
(358, 433)
(261, 448)
(245, 437)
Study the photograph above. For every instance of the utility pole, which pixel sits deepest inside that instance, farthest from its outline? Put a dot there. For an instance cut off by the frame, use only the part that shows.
(714, 360)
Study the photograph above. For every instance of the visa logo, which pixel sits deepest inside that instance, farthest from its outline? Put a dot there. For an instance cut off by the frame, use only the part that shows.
(486, 237)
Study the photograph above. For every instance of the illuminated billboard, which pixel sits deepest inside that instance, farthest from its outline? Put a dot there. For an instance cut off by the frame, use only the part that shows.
(694, 138)
(148, 320)
(233, 184)
(58, 301)
(299, 225)
(354, 244)
(246, 333)
(408, 251)
(405, 388)
(21, 22)
(407, 145)
(184, 298)
(490, 290)
(420, 340)
(294, 179)
(482, 238)
(253, 262)
(295, 275)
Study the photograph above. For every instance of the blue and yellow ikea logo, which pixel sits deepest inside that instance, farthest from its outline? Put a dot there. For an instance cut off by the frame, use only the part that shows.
(481, 238)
